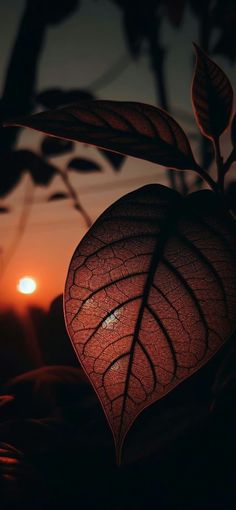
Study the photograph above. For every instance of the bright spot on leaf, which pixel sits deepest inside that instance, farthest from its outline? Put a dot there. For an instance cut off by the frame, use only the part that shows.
(26, 285)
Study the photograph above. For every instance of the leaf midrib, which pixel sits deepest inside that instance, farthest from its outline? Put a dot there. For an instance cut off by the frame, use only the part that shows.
(165, 230)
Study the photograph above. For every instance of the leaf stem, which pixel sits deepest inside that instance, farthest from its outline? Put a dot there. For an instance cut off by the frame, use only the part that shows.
(78, 206)
(219, 165)
(208, 179)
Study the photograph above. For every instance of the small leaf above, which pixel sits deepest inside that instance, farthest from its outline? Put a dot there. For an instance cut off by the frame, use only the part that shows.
(55, 146)
(130, 128)
(115, 159)
(14, 163)
(150, 296)
(212, 96)
(84, 165)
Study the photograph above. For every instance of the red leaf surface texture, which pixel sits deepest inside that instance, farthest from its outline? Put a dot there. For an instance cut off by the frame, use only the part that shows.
(212, 96)
(150, 297)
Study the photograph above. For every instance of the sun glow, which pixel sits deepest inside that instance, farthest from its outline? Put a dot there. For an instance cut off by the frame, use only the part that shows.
(26, 285)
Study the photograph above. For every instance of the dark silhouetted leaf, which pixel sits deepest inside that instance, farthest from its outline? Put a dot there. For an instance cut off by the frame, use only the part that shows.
(58, 196)
(84, 165)
(212, 96)
(150, 297)
(224, 18)
(233, 130)
(4, 210)
(19, 479)
(13, 163)
(175, 11)
(55, 146)
(39, 391)
(115, 159)
(230, 194)
(52, 11)
(54, 98)
(135, 129)
(10, 170)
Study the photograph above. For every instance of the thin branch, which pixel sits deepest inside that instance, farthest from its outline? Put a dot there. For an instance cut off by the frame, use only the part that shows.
(75, 199)
(208, 179)
(219, 165)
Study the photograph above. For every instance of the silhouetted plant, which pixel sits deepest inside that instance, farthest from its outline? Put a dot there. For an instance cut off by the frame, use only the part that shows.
(150, 293)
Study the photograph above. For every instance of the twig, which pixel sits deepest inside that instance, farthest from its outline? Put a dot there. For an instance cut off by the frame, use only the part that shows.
(72, 192)
(219, 165)
(208, 179)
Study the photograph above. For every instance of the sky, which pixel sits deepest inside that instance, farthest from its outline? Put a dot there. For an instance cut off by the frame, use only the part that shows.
(76, 54)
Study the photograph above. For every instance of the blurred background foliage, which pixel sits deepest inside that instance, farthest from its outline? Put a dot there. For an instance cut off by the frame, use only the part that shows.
(54, 438)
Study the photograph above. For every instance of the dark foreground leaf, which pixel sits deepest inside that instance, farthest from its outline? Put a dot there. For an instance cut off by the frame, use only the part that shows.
(150, 297)
(212, 96)
(130, 128)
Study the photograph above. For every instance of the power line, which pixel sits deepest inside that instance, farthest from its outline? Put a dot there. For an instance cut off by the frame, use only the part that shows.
(98, 189)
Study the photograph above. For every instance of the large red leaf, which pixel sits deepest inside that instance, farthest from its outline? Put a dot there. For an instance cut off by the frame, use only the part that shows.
(130, 128)
(212, 96)
(150, 297)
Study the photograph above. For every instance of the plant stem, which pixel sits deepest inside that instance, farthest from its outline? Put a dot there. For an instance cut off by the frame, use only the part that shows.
(219, 165)
(207, 178)
(74, 197)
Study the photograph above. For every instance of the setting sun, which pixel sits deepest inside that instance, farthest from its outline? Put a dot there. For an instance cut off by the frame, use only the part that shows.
(26, 285)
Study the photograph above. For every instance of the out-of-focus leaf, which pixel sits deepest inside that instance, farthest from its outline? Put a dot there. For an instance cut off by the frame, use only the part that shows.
(233, 130)
(39, 392)
(58, 196)
(130, 128)
(4, 210)
(230, 195)
(175, 11)
(10, 171)
(212, 96)
(52, 11)
(140, 20)
(55, 146)
(54, 98)
(115, 159)
(14, 163)
(18, 478)
(84, 165)
(224, 18)
(150, 297)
